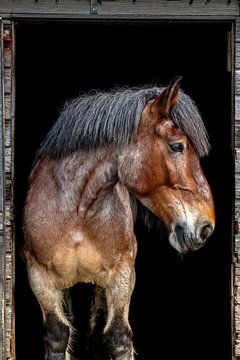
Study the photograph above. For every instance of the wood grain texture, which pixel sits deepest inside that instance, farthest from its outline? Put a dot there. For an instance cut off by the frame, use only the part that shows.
(237, 281)
(237, 186)
(237, 113)
(237, 82)
(7, 80)
(237, 55)
(237, 244)
(237, 160)
(237, 211)
(8, 159)
(2, 239)
(237, 315)
(237, 345)
(237, 33)
(120, 7)
(236, 285)
(8, 240)
(8, 132)
(8, 173)
(7, 106)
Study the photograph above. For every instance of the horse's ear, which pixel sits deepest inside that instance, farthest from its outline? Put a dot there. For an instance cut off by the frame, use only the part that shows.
(165, 101)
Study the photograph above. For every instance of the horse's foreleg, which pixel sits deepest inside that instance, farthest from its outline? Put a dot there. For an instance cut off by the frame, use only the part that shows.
(96, 349)
(117, 332)
(98, 310)
(55, 323)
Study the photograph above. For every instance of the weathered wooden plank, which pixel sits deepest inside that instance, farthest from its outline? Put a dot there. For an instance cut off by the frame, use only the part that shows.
(1, 222)
(8, 266)
(8, 213)
(237, 109)
(237, 281)
(237, 82)
(237, 244)
(237, 136)
(237, 160)
(237, 55)
(237, 217)
(8, 239)
(237, 312)
(8, 133)
(237, 191)
(7, 80)
(121, 7)
(9, 173)
(237, 344)
(8, 189)
(1, 121)
(236, 320)
(168, 7)
(8, 159)
(7, 109)
(237, 29)
(237, 186)
(2, 242)
(237, 298)
(237, 325)
(9, 330)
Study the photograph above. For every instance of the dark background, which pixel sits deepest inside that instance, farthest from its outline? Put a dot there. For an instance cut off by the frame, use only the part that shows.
(181, 307)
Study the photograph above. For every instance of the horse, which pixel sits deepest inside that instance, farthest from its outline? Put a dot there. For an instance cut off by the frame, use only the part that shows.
(106, 153)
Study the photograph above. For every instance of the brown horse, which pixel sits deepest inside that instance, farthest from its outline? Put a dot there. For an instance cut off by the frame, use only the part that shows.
(105, 151)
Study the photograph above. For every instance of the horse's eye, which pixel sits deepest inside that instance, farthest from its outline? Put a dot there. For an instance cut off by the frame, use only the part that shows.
(177, 147)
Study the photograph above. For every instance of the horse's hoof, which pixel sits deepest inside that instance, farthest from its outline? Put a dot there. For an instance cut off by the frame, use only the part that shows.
(70, 357)
(55, 357)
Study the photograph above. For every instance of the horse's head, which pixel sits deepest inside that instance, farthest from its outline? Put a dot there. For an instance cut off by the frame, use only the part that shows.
(162, 169)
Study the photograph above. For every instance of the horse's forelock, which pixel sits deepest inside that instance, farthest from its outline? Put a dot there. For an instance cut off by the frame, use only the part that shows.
(187, 117)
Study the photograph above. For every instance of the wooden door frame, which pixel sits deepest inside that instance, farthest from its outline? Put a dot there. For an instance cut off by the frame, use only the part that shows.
(7, 239)
(7, 116)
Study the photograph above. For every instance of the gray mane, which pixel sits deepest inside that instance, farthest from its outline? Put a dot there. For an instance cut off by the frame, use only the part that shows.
(99, 119)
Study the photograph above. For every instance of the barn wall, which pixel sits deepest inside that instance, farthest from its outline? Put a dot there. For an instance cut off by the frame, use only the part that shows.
(236, 322)
(83, 9)
(2, 242)
(6, 194)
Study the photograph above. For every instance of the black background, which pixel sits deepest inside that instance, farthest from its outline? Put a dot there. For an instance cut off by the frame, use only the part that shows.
(181, 307)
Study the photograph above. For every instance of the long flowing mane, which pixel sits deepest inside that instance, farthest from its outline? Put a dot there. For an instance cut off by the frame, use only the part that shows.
(98, 119)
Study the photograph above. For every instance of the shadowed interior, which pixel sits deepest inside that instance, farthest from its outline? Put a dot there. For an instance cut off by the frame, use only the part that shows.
(180, 306)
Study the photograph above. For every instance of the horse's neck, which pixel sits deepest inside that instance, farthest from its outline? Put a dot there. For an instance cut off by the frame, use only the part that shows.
(86, 178)
(98, 186)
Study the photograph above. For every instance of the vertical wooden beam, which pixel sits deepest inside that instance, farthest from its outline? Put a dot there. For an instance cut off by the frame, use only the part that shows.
(7, 113)
(8, 145)
(2, 240)
(236, 270)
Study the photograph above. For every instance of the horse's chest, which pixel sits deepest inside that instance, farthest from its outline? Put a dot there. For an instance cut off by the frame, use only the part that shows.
(80, 261)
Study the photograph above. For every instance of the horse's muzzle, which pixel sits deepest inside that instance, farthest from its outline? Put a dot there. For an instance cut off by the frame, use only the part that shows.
(183, 239)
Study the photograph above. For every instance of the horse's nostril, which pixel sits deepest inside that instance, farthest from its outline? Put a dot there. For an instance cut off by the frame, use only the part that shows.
(205, 231)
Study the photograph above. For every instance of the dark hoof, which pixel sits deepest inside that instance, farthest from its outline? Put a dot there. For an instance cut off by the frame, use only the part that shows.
(71, 357)
(119, 345)
(55, 356)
